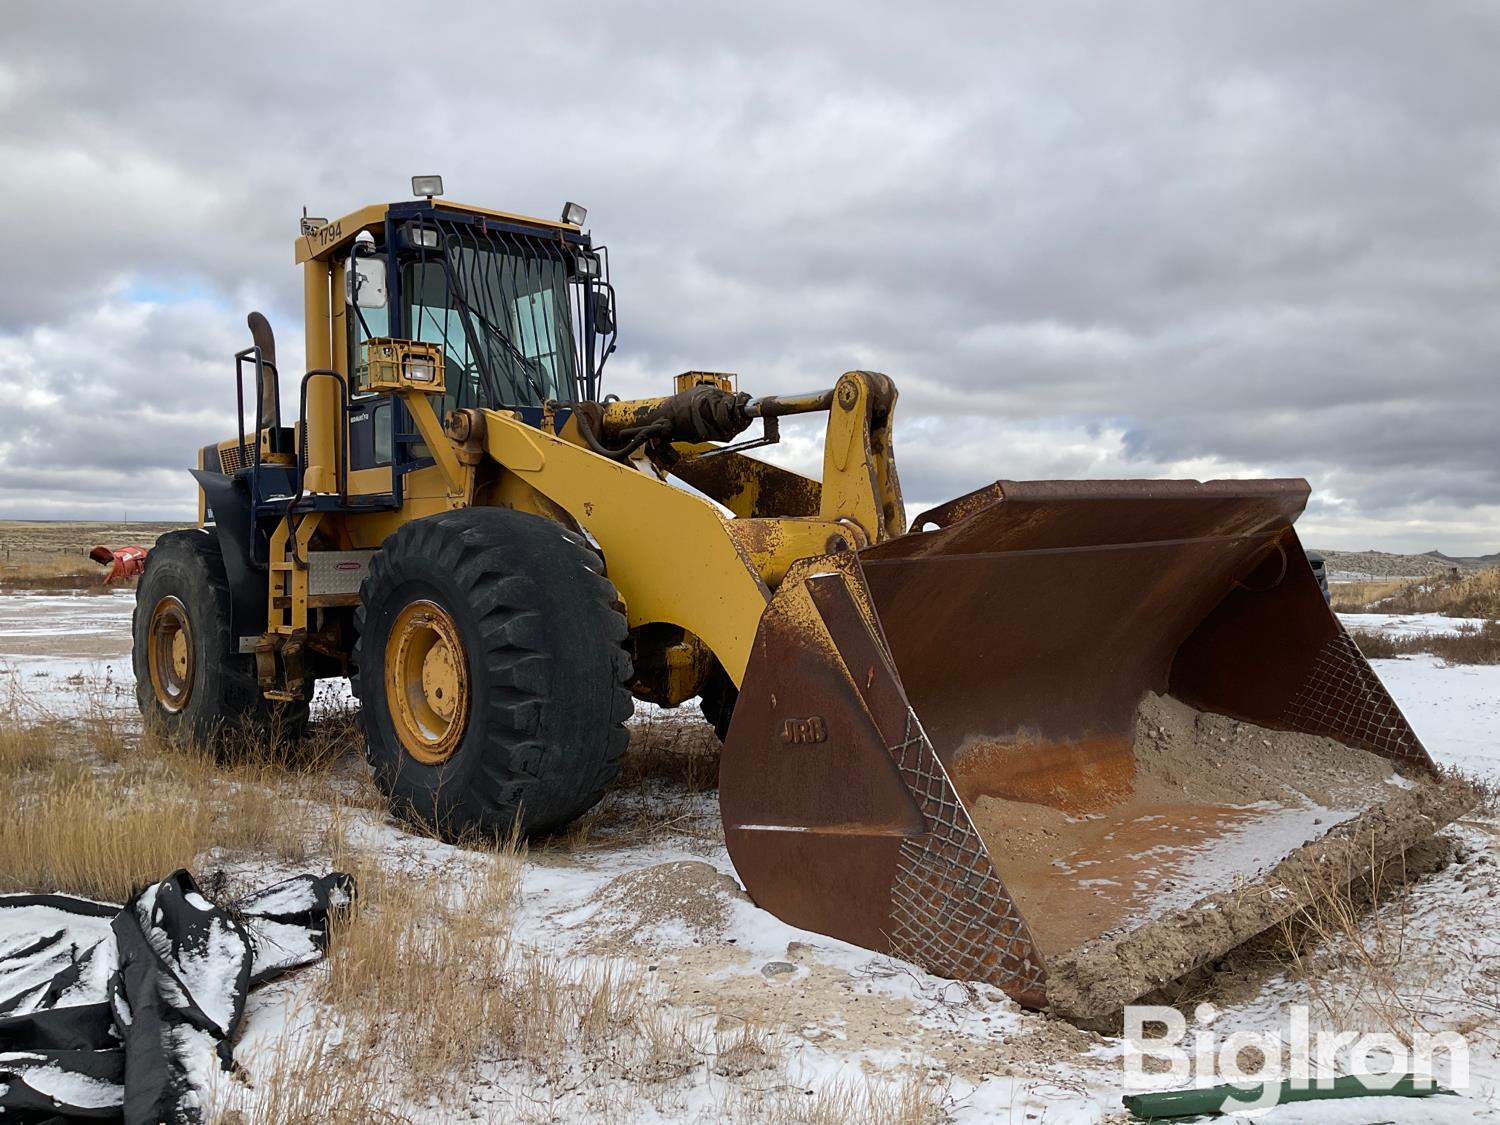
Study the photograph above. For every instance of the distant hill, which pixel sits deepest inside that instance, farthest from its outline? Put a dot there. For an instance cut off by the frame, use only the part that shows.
(1471, 560)
(1384, 564)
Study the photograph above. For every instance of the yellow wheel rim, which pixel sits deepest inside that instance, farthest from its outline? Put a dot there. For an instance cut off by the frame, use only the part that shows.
(427, 682)
(169, 654)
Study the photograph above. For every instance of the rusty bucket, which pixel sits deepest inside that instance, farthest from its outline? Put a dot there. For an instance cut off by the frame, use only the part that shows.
(1000, 650)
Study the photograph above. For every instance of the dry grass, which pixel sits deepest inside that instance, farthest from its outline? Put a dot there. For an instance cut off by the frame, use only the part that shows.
(1337, 930)
(24, 745)
(51, 555)
(1475, 594)
(430, 990)
(1484, 787)
(104, 833)
(74, 573)
(428, 1002)
(72, 831)
(1362, 597)
(663, 791)
(306, 1083)
(1466, 646)
(423, 976)
(50, 566)
(1375, 970)
(910, 1100)
(429, 969)
(1472, 595)
(428, 996)
(100, 808)
(679, 750)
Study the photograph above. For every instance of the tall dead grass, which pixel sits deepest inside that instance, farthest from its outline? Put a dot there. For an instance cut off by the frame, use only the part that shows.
(428, 969)
(23, 745)
(430, 998)
(909, 1099)
(1465, 646)
(306, 1080)
(1362, 597)
(73, 831)
(49, 568)
(97, 806)
(102, 834)
(427, 993)
(1474, 594)
(1352, 959)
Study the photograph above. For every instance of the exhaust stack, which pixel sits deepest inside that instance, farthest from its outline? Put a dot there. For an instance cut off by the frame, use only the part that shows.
(270, 393)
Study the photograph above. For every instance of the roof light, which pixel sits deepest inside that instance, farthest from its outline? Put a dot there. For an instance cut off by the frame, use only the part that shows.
(427, 185)
(574, 214)
(588, 264)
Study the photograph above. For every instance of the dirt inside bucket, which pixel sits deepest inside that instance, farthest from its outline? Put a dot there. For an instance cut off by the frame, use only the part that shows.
(1195, 815)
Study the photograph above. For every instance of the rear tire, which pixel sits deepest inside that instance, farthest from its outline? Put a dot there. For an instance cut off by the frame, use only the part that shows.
(491, 673)
(190, 677)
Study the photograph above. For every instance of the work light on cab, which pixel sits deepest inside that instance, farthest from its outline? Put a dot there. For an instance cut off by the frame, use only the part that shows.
(415, 236)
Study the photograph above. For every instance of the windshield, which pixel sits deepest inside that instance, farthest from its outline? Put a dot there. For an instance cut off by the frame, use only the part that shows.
(500, 309)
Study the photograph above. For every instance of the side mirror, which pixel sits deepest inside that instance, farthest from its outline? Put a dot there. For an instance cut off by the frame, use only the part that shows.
(604, 312)
(364, 283)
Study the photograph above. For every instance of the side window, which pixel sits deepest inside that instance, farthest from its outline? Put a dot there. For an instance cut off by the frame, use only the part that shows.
(380, 424)
(435, 320)
(370, 430)
(364, 324)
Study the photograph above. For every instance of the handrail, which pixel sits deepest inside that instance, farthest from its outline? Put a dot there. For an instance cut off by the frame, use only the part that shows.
(341, 470)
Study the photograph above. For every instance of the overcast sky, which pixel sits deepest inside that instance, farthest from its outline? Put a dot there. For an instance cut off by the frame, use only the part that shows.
(1087, 240)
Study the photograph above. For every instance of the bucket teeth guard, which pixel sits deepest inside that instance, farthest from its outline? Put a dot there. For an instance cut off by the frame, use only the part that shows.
(845, 821)
(1003, 653)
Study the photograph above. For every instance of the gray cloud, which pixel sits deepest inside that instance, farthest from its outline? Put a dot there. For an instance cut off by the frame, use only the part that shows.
(1087, 239)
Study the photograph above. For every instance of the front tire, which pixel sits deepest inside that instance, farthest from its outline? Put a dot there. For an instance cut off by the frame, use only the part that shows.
(491, 673)
(190, 677)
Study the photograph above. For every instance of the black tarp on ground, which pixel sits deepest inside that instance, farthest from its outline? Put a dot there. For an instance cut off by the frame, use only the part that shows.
(111, 1013)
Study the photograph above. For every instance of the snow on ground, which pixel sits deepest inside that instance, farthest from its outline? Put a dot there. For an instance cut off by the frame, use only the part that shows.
(843, 1011)
(61, 653)
(1454, 708)
(1408, 624)
(83, 623)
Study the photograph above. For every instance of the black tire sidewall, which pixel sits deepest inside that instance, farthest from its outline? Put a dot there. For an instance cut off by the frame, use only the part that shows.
(413, 785)
(224, 694)
(543, 636)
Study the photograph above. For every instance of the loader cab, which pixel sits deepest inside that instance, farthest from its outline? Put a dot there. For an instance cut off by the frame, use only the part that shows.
(524, 316)
(517, 312)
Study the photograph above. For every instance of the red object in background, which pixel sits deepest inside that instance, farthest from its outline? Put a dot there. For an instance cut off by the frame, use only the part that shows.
(124, 564)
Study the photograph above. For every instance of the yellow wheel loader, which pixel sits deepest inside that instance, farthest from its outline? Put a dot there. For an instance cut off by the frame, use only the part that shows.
(501, 559)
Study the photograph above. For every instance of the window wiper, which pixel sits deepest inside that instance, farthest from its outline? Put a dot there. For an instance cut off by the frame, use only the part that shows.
(528, 363)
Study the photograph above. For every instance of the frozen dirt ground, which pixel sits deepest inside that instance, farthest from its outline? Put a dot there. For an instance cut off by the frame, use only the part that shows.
(843, 1017)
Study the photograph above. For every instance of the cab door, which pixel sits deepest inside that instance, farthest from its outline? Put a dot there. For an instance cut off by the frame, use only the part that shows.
(372, 417)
